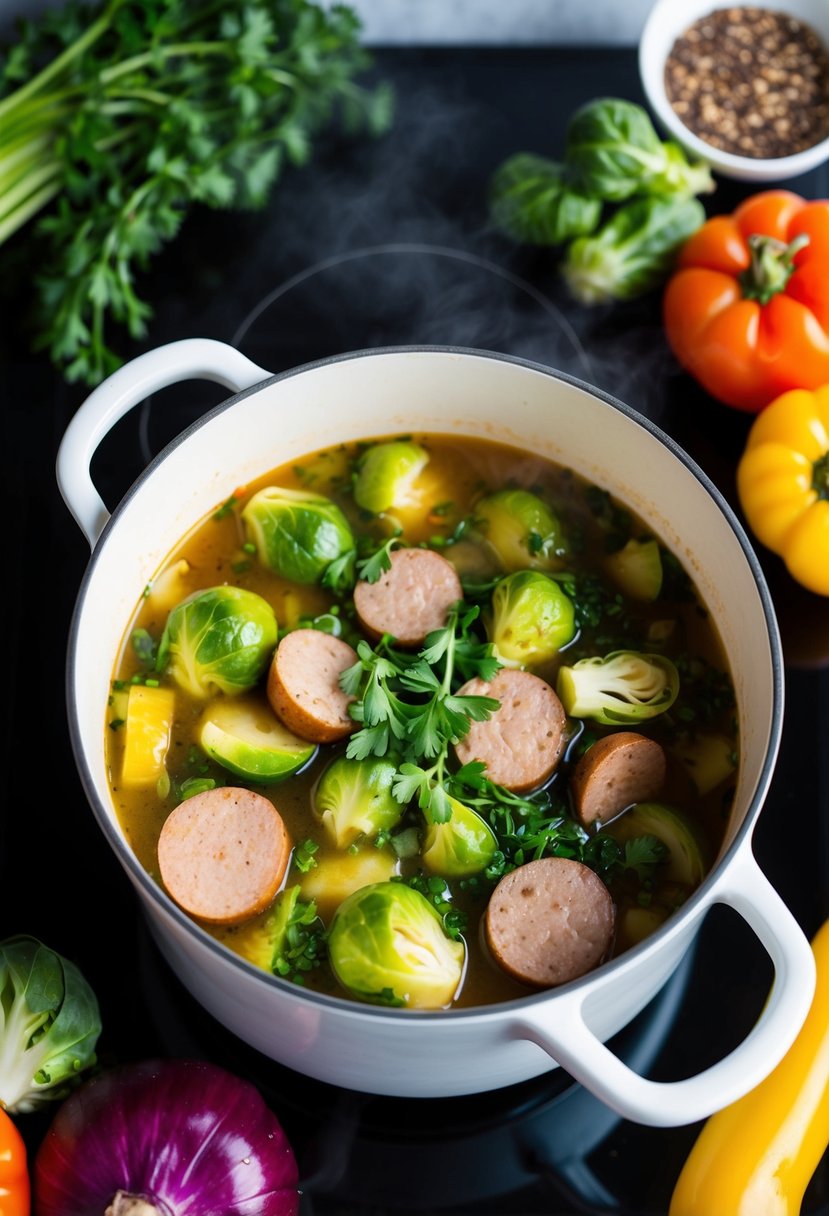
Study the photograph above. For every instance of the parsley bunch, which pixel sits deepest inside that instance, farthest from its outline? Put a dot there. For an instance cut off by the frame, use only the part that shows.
(408, 705)
(117, 117)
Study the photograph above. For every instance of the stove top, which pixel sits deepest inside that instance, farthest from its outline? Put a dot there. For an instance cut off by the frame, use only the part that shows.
(372, 245)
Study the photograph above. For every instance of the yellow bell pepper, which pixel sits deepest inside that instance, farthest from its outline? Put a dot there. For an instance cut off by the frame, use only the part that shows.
(756, 1157)
(148, 728)
(783, 483)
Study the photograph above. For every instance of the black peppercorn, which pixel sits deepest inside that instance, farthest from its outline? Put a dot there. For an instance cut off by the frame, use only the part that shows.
(751, 81)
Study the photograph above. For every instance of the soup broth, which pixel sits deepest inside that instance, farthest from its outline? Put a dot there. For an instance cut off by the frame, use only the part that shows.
(628, 594)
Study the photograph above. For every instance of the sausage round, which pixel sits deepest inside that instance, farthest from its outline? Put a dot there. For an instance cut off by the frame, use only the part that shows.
(549, 921)
(411, 599)
(303, 685)
(617, 770)
(223, 854)
(521, 743)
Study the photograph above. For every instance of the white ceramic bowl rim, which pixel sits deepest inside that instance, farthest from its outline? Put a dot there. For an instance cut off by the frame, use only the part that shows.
(158, 896)
(654, 46)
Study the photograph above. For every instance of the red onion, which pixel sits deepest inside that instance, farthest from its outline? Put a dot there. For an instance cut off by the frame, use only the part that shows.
(166, 1138)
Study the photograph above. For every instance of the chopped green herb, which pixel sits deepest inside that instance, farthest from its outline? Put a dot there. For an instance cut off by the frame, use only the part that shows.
(304, 858)
(145, 647)
(226, 508)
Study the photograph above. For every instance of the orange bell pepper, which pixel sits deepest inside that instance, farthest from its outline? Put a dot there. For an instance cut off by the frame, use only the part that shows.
(746, 311)
(14, 1176)
(783, 483)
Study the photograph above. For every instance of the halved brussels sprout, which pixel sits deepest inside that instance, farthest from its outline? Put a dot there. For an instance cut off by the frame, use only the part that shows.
(637, 569)
(386, 473)
(532, 618)
(245, 737)
(686, 850)
(220, 639)
(297, 534)
(522, 530)
(387, 946)
(622, 687)
(353, 798)
(464, 845)
(261, 940)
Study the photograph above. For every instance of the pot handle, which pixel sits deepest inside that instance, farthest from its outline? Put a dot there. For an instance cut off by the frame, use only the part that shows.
(189, 359)
(573, 1045)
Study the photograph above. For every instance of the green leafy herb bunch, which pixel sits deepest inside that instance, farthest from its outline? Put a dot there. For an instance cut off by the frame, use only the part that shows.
(117, 117)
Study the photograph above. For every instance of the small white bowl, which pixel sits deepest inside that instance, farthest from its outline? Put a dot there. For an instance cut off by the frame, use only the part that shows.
(664, 24)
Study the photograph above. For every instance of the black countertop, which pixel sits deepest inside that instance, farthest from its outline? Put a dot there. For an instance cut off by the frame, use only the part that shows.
(380, 244)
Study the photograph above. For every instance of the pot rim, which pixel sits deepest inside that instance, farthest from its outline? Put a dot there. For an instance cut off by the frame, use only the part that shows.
(693, 908)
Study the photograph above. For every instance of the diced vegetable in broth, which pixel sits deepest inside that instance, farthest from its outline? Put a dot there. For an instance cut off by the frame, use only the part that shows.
(561, 621)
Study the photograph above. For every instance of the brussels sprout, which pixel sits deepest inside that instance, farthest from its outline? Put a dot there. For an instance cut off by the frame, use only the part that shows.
(464, 845)
(685, 864)
(219, 639)
(387, 946)
(532, 200)
(297, 534)
(286, 940)
(633, 251)
(532, 618)
(622, 687)
(522, 530)
(614, 152)
(244, 737)
(354, 798)
(637, 569)
(386, 473)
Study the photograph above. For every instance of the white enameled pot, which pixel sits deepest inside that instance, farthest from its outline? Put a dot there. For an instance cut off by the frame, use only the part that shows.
(272, 420)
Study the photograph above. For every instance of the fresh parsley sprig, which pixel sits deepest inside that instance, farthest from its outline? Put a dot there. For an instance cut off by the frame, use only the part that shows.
(117, 117)
(409, 705)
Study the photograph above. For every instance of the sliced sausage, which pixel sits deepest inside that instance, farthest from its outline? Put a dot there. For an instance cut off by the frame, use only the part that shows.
(617, 770)
(411, 599)
(303, 685)
(521, 743)
(223, 854)
(549, 921)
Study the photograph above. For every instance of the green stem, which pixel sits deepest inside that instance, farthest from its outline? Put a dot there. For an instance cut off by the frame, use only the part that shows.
(772, 265)
(21, 156)
(28, 185)
(820, 476)
(174, 50)
(25, 211)
(57, 66)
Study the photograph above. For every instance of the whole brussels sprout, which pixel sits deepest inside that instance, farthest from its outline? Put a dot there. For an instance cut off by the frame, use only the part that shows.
(220, 640)
(297, 534)
(353, 798)
(532, 618)
(386, 472)
(464, 845)
(387, 946)
(522, 530)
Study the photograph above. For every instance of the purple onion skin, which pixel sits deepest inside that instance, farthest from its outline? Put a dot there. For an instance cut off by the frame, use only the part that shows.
(193, 1139)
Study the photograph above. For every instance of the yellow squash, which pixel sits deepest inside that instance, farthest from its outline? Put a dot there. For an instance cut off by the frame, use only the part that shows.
(148, 728)
(756, 1157)
(783, 483)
